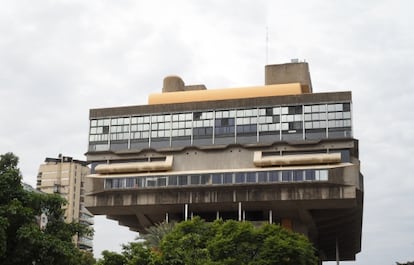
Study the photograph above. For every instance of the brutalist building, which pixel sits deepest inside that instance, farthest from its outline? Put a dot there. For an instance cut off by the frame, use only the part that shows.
(276, 153)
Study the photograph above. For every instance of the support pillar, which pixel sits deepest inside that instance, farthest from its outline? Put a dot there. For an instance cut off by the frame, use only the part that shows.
(270, 217)
(240, 212)
(186, 212)
(337, 251)
(217, 215)
(166, 218)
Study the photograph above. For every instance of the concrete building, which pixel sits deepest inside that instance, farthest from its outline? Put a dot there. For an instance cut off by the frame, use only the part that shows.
(66, 177)
(277, 153)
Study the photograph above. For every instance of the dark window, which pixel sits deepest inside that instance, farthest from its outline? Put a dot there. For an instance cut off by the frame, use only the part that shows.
(195, 179)
(286, 175)
(205, 178)
(269, 111)
(262, 176)
(161, 182)
(296, 125)
(298, 175)
(182, 180)
(108, 183)
(347, 107)
(105, 129)
(151, 182)
(197, 116)
(217, 179)
(130, 182)
(273, 176)
(276, 119)
(251, 177)
(240, 178)
(172, 180)
(309, 174)
(228, 178)
(295, 109)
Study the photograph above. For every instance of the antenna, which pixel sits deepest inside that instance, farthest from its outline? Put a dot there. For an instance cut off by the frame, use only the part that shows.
(267, 45)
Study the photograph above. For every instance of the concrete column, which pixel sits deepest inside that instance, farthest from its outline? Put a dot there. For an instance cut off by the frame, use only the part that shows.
(240, 212)
(186, 212)
(270, 217)
(217, 215)
(166, 218)
(244, 215)
(337, 251)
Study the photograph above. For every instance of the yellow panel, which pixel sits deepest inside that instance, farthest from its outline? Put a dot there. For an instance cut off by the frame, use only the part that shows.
(222, 94)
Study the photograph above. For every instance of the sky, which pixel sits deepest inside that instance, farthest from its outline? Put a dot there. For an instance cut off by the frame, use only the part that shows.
(60, 58)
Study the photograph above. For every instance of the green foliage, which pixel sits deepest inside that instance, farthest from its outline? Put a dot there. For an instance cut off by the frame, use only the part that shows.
(234, 243)
(197, 242)
(21, 239)
(111, 258)
(156, 233)
(138, 254)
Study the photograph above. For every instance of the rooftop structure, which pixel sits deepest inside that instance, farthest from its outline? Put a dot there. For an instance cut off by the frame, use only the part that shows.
(277, 153)
(66, 176)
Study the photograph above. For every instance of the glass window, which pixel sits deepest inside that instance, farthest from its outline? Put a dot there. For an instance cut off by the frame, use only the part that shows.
(309, 175)
(323, 175)
(228, 178)
(273, 176)
(108, 183)
(298, 175)
(205, 179)
(347, 115)
(161, 182)
(240, 177)
(195, 179)
(251, 177)
(262, 176)
(286, 175)
(172, 180)
(217, 179)
(346, 107)
(182, 180)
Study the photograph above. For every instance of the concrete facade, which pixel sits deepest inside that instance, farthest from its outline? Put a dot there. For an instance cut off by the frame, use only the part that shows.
(66, 176)
(288, 158)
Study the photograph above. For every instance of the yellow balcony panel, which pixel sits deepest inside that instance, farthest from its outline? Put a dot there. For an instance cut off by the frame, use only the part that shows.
(135, 167)
(286, 160)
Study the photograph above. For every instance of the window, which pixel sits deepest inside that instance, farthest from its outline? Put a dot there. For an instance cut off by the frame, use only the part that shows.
(172, 180)
(273, 176)
(182, 180)
(217, 179)
(251, 177)
(228, 178)
(262, 177)
(240, 177)
(286, 175)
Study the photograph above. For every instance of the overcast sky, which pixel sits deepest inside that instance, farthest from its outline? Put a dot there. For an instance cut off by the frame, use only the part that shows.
(58, 59)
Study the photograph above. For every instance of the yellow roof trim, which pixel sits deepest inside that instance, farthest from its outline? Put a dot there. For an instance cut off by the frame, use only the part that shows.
(227, 93)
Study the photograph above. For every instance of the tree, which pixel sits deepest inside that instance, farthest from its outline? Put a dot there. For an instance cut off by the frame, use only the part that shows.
(22, 240)
(154, 234)
(111, 258)
(234, 243)
(197, 242)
